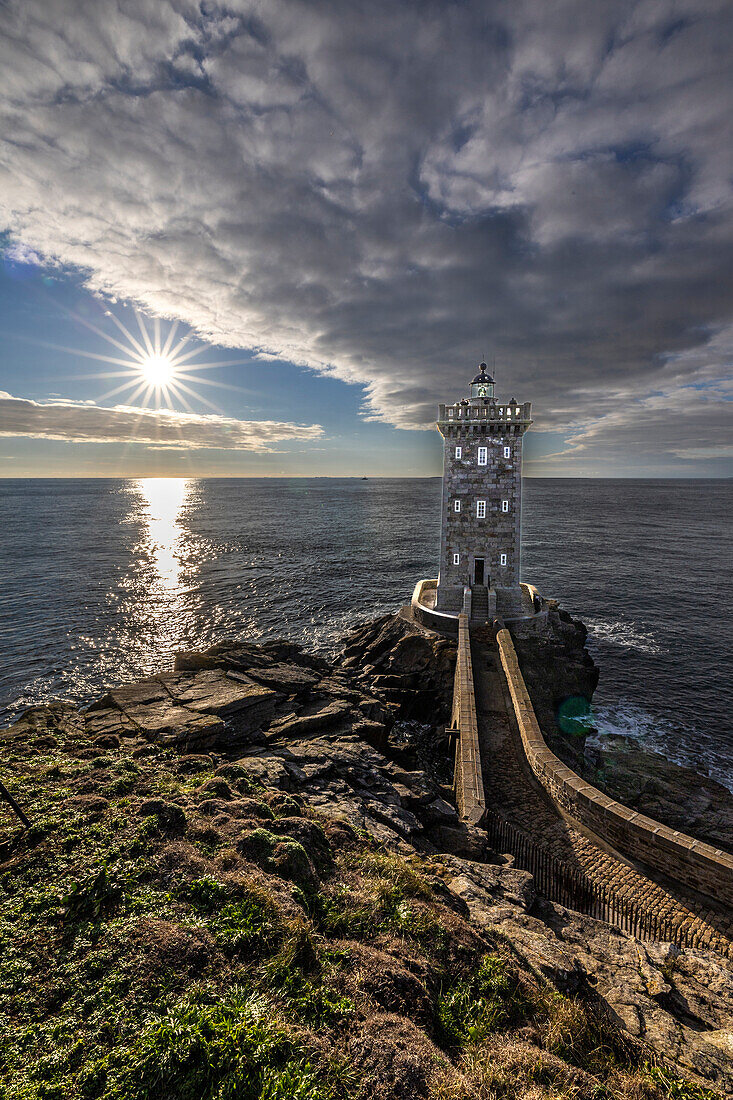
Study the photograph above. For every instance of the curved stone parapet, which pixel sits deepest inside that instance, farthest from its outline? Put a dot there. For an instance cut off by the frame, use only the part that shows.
(424, 611)
(688, 861)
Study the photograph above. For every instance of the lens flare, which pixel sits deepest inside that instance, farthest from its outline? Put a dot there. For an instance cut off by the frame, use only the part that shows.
(158, 370)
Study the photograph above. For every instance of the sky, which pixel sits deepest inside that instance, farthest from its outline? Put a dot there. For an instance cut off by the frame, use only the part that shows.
(334, 210)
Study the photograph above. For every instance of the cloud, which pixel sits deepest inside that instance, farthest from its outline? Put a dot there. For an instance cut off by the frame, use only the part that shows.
(386, 191)
(82, 422)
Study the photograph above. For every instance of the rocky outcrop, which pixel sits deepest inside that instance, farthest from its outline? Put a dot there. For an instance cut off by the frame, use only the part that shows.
(558, 672)
(679, 1002)
(659, 788)
(266, 762)
(410, 668)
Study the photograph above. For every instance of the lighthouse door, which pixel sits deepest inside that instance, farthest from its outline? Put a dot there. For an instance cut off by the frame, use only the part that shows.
(478, 570)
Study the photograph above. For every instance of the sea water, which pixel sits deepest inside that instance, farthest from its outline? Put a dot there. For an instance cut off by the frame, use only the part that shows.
(102, 581)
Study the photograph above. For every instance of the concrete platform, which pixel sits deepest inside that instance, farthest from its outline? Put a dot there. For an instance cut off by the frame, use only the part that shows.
(534, 609)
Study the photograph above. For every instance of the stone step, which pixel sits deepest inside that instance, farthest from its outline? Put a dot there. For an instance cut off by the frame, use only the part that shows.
(480, 602)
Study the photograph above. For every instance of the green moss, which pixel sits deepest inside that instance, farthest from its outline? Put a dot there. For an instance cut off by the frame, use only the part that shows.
(96, 893)
(487, 1001)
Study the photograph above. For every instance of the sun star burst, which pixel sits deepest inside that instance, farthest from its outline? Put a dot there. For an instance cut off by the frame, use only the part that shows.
(157, 370)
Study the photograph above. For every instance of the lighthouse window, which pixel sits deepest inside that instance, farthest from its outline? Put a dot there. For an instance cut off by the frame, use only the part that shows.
(459, 452)
(482, 455)
(505, 505)
(456, 505)
(480, 509)
(507, 452)
(450, 414)
(456, 559)
(502, 559)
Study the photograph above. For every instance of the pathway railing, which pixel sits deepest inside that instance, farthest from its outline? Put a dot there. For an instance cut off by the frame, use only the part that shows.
(558, 882)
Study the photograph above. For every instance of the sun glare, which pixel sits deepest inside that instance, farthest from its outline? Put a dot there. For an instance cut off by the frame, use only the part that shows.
(158, 370)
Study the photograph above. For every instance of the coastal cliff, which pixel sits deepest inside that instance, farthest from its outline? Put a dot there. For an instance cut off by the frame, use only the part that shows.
(246, 877)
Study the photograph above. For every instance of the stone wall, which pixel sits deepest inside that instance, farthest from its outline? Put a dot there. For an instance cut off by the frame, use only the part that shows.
(422, 605)
(498, 532)
(468, 781)
(690, 862)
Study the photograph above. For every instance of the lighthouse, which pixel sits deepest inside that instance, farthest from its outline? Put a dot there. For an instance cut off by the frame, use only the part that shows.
(480, 541)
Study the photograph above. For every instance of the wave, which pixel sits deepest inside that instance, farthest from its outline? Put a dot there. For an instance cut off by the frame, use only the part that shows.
(690, 748)
(625, 635)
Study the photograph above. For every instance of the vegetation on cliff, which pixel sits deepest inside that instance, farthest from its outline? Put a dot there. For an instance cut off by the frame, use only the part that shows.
(176, 926)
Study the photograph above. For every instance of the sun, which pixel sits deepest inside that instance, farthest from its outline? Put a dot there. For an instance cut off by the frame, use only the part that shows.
(157, 370)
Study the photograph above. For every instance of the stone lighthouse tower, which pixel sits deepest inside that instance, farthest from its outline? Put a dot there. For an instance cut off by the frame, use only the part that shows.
(482, 489)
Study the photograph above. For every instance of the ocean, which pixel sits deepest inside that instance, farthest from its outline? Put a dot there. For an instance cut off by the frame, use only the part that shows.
(102, 581)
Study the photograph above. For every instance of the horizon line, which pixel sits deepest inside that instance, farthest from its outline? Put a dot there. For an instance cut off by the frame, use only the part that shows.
(353, 477)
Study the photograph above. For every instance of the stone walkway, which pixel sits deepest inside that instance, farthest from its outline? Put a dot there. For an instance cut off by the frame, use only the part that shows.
(511, 790)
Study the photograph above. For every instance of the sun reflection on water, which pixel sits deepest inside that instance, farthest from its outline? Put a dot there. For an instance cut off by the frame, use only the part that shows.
(164, 500)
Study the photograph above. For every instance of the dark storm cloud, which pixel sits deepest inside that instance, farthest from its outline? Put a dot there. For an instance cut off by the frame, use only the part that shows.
(387, 190)
(82, 422)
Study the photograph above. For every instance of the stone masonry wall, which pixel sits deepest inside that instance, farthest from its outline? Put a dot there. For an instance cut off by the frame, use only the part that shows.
(464, 480)
(691, 862)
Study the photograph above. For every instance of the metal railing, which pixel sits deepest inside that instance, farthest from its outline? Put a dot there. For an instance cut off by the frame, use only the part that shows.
(557, 881)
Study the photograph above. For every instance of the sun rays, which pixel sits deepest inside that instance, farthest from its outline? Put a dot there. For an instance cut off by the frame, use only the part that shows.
(159, 370)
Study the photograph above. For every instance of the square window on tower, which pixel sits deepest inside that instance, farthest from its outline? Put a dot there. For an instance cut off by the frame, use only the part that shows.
(456, 505)
(480, 509)
(459, 452)
(483, 456)
(505, 505)
(456, 559)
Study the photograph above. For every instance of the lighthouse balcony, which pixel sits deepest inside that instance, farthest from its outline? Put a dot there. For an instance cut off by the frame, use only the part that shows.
(486, 411)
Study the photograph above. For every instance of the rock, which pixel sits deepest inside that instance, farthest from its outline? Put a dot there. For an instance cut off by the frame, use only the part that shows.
(659, 788)
(439, 812)
(393, 655)
(108, 721)
(226, 694)
(289, 679)
(463, 840)
(131, 695)
(320, 719)
(556, 665)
